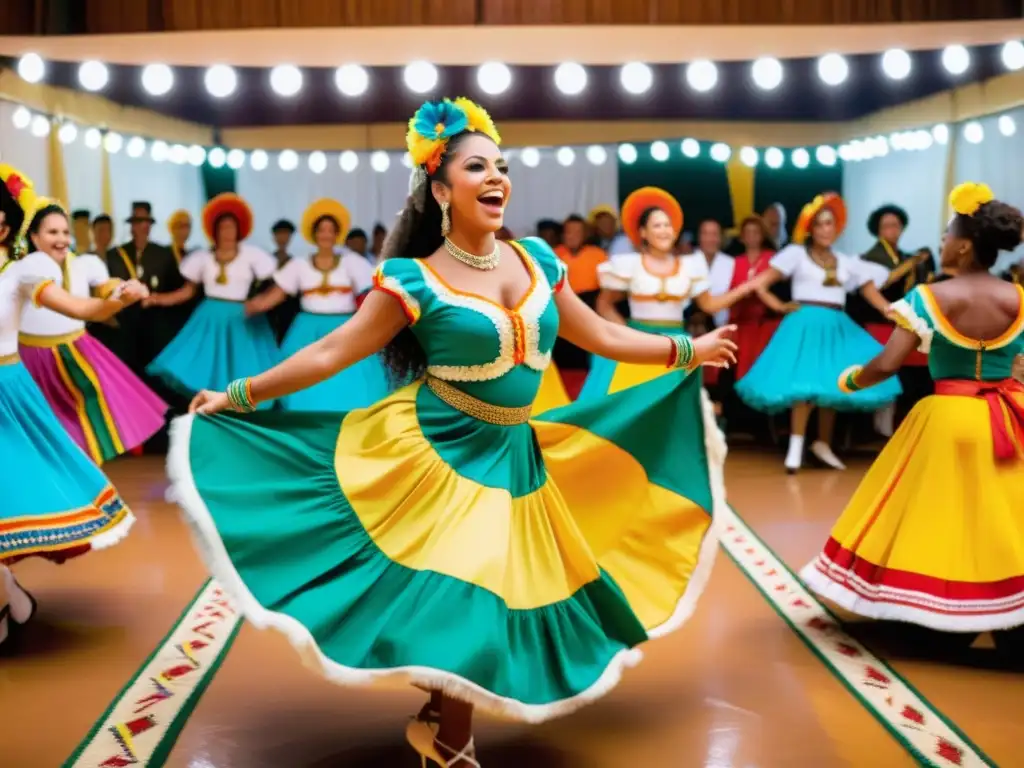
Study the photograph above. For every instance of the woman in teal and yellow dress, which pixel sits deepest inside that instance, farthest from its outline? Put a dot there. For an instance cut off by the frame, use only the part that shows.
(442, 537)
(934, 535)
(657, 284)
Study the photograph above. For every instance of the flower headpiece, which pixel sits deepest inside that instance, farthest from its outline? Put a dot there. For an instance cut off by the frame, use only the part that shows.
(642, 199)
(227, 204)
(435, 122)
(968, 197)
(21, 190)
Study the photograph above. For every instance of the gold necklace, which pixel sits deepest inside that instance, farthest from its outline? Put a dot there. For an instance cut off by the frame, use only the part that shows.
(488, 262)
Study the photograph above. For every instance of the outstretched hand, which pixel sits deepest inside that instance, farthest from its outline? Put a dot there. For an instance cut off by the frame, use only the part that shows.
(209, 403)
(715, 348)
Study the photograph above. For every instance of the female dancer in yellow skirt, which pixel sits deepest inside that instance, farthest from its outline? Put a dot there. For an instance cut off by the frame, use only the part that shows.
(442, 537)
(934, 535)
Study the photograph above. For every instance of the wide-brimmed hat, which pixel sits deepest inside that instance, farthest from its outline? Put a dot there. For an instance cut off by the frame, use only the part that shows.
(830, 201)
(326, 208)
(227, 204)
(644, 199)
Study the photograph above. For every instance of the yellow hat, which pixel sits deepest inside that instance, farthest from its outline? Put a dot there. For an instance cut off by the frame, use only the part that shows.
(602, 210)
(180, 216)
(325, 207)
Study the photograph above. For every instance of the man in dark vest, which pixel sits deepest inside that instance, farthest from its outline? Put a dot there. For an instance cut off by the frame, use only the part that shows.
(282, 315)
(886, 225)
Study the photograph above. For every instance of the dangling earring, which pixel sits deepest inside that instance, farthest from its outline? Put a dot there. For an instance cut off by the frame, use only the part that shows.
(446, 222)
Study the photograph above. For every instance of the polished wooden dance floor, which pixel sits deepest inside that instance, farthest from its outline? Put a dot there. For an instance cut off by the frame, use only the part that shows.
(736, 687)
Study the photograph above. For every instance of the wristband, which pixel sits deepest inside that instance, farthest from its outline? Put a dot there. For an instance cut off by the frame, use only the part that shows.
(685, 356)
(848, 380)
(239, 393)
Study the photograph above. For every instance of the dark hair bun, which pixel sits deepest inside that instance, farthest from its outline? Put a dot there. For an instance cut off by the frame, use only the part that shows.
(998, 228)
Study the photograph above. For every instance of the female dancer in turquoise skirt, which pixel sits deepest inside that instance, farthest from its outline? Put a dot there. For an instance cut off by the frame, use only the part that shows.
(219, 342)
(328, 285)
(816, 340)
(56, 503)
(441, 537)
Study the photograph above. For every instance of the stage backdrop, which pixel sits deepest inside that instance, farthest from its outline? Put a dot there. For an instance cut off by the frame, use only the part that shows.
(165, 185)
(726, 192)
(549, 190)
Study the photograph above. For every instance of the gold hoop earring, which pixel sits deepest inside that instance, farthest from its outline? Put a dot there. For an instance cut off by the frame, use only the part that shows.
(446, 222)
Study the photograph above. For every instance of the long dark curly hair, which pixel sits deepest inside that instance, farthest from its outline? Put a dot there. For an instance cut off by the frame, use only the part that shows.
(415, 235)
(14, 217)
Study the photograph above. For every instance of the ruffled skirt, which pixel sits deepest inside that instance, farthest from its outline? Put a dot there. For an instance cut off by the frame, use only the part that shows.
(934, 535)
(358, 386)
(105, 407)
(516, 567)
(804, 359)
(217, 345)
(56, 503)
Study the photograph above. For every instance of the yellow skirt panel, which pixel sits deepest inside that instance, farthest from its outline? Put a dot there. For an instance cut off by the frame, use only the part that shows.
(936, 502)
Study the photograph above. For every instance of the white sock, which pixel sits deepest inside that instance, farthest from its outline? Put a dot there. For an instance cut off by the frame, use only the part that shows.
(826, 455)
(795, 454)
(885, 420)
(17, 598)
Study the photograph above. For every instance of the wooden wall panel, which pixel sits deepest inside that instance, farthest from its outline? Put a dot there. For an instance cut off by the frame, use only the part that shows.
(17, 17)
(127, 16)
(193, 15)
(743, 11)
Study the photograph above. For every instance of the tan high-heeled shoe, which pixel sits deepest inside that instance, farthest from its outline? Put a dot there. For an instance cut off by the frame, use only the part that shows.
(422, 738)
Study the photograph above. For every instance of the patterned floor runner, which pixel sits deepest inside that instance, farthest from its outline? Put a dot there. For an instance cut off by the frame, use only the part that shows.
(921, 729)
(147, 716)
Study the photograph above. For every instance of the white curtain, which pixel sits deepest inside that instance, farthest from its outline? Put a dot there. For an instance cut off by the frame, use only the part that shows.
(911, 179)
(21, 149)
(994, 161)
(549, 190)
(165, 185)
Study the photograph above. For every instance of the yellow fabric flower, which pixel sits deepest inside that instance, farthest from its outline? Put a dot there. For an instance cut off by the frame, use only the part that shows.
(478, 119)
(968, 197)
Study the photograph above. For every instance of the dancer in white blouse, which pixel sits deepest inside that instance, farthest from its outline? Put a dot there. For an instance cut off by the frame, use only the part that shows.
(328, 284)
(105, 407)
(219, 343)
(815, 342)
(57, 503)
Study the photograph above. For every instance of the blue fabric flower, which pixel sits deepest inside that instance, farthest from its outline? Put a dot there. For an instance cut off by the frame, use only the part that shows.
(440, 120)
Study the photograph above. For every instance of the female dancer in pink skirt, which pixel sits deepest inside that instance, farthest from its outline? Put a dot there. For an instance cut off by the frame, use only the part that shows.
(103, 405)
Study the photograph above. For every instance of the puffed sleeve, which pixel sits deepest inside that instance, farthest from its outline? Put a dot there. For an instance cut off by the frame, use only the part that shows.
(192, 266)
(696, 267)
(360, 271)
(287, 277)
(97, 275)
(35, 273)
(862, 272)
(617, 273)
(911, 314)
(402, 279)
(554, 268)
(788, 259)
(262, 263)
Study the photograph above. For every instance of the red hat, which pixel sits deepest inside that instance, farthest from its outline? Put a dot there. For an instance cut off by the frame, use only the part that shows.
(227, 204)
(644, 199)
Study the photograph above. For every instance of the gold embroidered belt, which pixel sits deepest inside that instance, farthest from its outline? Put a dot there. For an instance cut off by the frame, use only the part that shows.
(11, 359)
(48, 342)
(478, 409)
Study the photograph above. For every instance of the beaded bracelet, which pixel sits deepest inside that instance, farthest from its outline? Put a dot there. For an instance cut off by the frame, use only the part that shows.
(848, 379)
(239, 394)
(685, 355)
